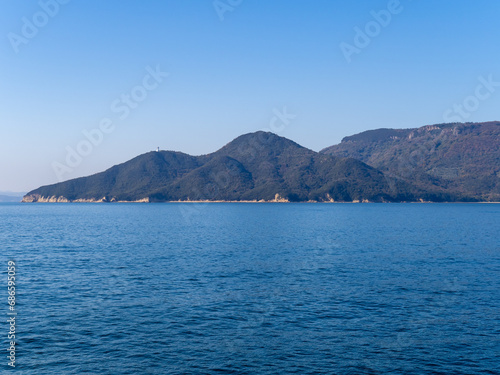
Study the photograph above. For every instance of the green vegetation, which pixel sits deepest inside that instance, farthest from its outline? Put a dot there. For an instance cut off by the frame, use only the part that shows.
(461, 160)
(264, 166)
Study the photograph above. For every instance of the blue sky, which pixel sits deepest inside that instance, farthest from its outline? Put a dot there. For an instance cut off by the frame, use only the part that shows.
(233, 68)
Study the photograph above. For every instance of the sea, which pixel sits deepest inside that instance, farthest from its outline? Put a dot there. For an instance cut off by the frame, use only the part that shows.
(251, 288)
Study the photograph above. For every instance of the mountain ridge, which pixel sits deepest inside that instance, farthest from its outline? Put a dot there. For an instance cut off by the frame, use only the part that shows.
(458, 158)
(381, 165)
(258, 166)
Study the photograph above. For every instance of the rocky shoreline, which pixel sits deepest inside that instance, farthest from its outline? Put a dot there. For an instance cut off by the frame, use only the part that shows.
(35, 198)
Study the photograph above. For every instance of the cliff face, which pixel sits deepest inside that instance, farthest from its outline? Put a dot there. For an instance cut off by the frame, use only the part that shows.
(254, 167)
(37, 198)
(458, 159)
(29, 198)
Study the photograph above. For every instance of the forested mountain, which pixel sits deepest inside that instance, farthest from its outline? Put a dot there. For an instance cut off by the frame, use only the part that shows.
(459, 159)
(256, 166)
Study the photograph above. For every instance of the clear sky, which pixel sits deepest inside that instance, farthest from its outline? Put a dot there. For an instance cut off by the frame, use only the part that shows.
(299, 68)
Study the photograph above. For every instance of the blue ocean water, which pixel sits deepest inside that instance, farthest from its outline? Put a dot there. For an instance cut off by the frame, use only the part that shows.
(253, 288)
